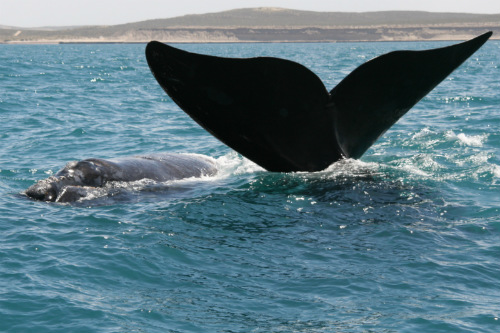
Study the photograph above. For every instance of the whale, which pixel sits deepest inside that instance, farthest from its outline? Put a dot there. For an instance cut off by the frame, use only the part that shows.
(275, 112)
(75, 180)
(278, 113)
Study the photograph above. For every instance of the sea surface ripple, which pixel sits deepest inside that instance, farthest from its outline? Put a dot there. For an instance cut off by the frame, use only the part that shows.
(406, 239)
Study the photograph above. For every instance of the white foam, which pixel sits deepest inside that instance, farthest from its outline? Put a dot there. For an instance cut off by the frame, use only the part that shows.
(414, 170)
(496, 171)
(467, 140)
(472, 140)
(422, 133)
(479, 159)
(350, 167)
(234, 164)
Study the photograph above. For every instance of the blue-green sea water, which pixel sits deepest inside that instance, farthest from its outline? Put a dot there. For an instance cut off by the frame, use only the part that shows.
(406, 239)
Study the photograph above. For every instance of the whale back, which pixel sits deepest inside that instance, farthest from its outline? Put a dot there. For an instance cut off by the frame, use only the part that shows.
(158, 167)
(79, 178)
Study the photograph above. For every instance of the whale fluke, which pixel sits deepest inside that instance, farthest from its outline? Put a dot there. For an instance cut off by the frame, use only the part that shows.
(279, 114)
(379, 92)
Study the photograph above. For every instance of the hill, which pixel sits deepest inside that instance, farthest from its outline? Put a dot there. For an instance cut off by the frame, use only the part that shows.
(273, 25)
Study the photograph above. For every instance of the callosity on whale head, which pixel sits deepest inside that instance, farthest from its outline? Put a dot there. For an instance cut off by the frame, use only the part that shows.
(79, 173)
(44, 190)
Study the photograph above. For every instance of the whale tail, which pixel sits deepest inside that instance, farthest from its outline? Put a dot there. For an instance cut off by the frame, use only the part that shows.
(379, 92)
(279, 114)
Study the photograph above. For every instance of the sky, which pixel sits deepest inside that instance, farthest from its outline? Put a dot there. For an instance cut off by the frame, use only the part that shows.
(40, 13)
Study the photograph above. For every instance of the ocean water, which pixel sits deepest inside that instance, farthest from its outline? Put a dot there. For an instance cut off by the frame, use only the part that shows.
(406, 239)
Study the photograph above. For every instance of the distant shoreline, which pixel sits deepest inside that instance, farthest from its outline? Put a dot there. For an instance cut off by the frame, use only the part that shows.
(239, 42)
(242, 35)
(271, 25)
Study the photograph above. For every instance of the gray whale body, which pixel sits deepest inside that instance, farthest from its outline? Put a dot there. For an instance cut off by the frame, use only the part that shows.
(74, 180)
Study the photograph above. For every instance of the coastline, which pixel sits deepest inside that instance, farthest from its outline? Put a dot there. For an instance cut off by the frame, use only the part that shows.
(271, 25)
(261, 35)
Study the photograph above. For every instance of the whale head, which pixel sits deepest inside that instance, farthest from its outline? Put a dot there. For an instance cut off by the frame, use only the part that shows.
(73, 176)
(45, 189)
